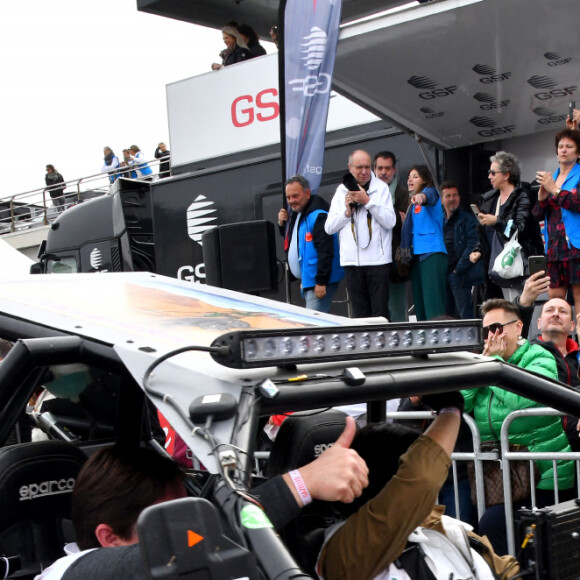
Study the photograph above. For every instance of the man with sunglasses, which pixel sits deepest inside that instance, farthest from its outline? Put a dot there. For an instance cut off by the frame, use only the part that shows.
(502, 328)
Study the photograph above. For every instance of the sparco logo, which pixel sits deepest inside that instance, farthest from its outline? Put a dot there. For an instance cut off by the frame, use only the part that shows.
(427, 83)
(489, 74)
(318, 449)
(315, 47)
(200, 217)
(430, 113)
(554, 59)
(489, 102)
(46, 488)
(548, 116)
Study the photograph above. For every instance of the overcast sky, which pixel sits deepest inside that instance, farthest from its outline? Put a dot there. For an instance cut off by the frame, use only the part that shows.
(77, 75)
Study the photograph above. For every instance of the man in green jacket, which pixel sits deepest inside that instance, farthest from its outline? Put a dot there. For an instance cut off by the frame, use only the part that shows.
(502, 327)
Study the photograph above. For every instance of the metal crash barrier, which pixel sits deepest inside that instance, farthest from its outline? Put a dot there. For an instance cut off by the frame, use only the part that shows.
(504, 456)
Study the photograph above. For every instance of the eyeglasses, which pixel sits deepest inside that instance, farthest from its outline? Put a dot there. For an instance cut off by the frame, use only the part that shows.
(495, 326)
(492, 172)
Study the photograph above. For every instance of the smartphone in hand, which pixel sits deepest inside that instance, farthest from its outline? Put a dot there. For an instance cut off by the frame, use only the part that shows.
(474, 209)
(571, 108)
(537, 264)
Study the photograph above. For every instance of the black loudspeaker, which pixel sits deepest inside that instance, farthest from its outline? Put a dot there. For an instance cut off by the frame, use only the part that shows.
(548, 540)
(241, 257)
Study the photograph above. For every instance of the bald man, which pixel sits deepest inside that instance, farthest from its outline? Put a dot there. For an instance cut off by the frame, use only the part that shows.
(556, 325)
(362, 214)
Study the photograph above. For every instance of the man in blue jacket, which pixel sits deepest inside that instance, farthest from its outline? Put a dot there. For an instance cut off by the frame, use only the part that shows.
(313, 255)
(461, 235)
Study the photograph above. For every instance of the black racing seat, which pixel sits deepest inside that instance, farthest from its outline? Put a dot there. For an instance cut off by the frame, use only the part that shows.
(300, 440)
(36, 481)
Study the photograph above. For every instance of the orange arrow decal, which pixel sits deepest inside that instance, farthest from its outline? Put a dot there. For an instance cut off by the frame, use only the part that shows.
(193, 538)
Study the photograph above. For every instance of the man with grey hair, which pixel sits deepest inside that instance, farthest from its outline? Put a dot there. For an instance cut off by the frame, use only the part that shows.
(313, 255)
(164, 156)
(362, 214)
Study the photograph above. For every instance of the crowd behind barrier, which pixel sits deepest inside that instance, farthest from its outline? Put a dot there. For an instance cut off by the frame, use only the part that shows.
(504, 456)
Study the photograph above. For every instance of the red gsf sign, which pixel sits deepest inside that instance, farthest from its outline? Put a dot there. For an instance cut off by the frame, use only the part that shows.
(247, 109)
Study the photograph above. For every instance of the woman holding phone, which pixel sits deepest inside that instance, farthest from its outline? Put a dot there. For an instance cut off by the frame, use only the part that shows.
(558, 206)
(503, 211)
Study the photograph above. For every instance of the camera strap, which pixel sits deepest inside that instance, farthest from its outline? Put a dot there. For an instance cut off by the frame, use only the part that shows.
(369, 226)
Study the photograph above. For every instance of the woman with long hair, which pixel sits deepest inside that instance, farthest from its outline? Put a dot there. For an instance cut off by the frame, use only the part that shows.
(236, 49)
(422, 244)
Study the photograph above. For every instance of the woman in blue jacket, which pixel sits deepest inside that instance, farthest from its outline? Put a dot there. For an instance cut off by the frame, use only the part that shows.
(139, 164)
(559, 207)
(423, 232)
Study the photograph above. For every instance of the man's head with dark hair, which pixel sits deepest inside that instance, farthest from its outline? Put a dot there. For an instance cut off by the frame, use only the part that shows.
(381, 446)
(300, 179)
(298, 193)
(113, 487)
(501, 304)
(385, 155)
(502, 327)
(450, 199)
(448, 185)
(384, 166)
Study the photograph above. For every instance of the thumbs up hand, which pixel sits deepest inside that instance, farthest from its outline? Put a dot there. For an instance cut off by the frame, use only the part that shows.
(339, 473)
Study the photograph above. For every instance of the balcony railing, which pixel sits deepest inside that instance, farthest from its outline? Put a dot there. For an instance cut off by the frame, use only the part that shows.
(37, 208)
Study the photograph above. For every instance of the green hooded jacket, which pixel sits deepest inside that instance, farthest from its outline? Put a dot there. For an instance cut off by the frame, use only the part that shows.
(491, 405)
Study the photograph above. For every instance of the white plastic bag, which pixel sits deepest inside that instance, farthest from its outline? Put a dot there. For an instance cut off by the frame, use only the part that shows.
(509, 262)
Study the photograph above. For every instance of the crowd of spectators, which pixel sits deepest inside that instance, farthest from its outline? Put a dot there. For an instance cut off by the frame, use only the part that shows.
(132, 166)
(445, 251)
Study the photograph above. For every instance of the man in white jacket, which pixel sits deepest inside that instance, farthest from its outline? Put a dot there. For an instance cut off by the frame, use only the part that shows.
(364, 219)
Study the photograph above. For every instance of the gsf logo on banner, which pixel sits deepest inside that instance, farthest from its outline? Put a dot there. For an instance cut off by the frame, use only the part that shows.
(311, 85)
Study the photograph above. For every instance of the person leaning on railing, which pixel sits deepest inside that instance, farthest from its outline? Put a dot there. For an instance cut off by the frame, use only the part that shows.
(111, 164)
(139, 164)
(53, 180)
(502, 329)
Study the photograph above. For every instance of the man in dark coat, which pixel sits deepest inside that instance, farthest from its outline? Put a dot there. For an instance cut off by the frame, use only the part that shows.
(460, 229)
(385, 168)
(163, 154)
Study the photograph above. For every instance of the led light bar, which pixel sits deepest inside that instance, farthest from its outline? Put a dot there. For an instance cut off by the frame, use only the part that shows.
(262, 348)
